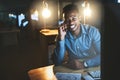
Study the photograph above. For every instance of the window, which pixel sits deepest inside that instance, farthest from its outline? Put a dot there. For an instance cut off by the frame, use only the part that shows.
(22, 21)
(118, 1)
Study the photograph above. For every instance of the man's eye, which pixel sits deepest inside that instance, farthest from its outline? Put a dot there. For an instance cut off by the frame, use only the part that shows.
(74, 18)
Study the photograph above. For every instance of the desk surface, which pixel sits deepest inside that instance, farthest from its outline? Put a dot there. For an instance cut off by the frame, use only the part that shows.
(68, 70)
(48, 32)
(82, 72)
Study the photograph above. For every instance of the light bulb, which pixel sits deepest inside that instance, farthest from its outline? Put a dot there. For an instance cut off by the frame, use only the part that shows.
(46, 13)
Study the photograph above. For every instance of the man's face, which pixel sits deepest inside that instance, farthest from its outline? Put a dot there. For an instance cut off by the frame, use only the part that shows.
(72, 20)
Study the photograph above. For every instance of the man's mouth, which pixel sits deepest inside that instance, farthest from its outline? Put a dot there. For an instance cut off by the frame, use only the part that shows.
(72, 26)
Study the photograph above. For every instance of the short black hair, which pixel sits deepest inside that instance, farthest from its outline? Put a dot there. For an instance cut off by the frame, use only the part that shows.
(70, 7)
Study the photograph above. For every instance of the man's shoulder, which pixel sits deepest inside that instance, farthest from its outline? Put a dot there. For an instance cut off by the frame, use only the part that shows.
(88, 28)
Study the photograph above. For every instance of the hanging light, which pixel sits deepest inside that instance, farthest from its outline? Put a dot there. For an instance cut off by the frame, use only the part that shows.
(45, 12)
(87, 10)
(36, 13)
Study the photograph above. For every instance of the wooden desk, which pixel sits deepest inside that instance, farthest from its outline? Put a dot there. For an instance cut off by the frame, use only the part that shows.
(47, 40)
(68, 70)
(48, 35)
(48, 32)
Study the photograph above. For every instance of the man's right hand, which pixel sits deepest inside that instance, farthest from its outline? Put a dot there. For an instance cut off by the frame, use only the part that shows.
(62, 31)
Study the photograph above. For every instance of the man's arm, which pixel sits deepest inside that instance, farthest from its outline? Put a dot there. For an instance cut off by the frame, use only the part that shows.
(59, 52)
(95, 61)
(60, 46)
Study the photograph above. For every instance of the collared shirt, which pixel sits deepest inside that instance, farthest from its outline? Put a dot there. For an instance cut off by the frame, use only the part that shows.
(86, 46)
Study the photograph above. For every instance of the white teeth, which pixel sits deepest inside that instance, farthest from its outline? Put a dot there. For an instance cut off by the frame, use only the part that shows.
(72, 26)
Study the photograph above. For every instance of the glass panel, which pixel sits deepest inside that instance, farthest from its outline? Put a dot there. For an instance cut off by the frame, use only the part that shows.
(7, 19)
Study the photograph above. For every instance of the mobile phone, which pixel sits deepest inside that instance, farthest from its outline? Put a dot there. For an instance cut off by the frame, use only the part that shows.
(60, 22)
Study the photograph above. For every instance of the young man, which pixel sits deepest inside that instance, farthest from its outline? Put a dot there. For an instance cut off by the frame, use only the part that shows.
(82, 42)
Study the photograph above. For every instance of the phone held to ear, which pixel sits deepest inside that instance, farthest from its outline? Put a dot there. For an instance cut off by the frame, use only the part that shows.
(60, 22)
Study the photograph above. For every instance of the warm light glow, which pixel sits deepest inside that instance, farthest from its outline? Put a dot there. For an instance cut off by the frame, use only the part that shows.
(87, 11)
(83, 5)
(49, 32)
(36, 13)
(46, 13)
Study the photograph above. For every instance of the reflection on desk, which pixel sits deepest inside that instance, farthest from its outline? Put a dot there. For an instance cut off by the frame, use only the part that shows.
(49, 32)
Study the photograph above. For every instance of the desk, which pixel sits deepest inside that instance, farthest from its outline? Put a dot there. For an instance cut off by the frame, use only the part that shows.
(48, 32)
(68, 70)
(47, 40)
(48, 35)
(64, 69)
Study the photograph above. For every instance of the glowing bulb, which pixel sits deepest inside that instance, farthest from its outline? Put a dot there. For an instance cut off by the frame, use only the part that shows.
(87, 11)
(83, 5)
(46, 13)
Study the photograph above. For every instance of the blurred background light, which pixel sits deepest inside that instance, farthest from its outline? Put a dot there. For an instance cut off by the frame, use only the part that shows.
(45, 11)
(118, 1)
(86, 10)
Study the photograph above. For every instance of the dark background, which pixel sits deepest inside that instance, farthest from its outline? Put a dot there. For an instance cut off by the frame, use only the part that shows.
(17, 60)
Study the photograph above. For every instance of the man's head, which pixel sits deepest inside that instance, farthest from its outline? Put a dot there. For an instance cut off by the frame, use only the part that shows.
(71, 15)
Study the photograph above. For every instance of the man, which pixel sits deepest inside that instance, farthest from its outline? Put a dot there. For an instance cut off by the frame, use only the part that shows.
(82, 42)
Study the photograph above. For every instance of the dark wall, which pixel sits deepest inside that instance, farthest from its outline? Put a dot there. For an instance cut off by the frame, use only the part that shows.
(110, 39)
(16, 60)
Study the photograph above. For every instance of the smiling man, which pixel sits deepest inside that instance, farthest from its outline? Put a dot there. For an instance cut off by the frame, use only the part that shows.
(82, 42)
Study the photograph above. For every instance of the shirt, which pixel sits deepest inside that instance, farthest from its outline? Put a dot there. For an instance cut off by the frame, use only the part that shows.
(86, 46)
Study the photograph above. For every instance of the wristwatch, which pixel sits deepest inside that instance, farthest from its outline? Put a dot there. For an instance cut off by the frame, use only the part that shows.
(85, 64)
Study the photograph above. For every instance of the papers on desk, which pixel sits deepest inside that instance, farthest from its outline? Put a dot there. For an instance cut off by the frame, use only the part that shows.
(68, 76)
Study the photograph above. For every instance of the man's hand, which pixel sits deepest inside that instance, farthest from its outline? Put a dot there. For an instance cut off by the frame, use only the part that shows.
(75, 64)
(62, 31)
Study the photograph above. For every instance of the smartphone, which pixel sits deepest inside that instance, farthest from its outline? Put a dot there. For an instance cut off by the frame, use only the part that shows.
(60, 22)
